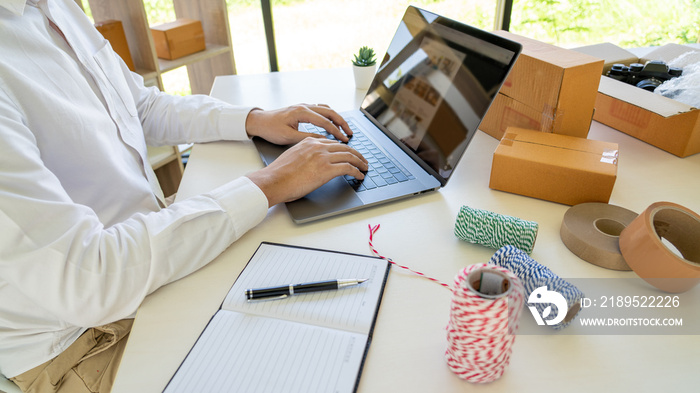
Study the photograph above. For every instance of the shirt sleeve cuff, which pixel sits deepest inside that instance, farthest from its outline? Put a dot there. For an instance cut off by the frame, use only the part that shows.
(244, 202)
(233, 120)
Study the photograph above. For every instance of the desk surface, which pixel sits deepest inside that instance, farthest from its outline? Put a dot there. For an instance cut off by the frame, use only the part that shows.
(409, 341)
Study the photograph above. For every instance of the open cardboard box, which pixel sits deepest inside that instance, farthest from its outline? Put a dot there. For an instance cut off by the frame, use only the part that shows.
(550, 89)
(662, 122)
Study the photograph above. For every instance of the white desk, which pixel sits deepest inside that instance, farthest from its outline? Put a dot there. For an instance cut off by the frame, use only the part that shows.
(407, 349)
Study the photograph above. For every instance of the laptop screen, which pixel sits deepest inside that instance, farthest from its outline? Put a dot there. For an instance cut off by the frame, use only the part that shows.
(435, 84)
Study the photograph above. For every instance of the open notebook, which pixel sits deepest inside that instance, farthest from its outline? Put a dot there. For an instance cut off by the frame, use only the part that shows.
(305, 343)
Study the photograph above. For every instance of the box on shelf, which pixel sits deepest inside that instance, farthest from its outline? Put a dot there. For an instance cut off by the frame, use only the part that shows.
(549, 89)
(662, 122)
(113, 31)
(179, 38)
(557, 168)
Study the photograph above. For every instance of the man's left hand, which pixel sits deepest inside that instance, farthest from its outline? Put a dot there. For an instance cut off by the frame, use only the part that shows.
(280, 126)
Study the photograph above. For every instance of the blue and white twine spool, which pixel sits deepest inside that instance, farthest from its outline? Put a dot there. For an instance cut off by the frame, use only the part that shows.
(534, 275)
(495, 230)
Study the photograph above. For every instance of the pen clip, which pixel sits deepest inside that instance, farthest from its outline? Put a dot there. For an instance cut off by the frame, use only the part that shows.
(264, 299)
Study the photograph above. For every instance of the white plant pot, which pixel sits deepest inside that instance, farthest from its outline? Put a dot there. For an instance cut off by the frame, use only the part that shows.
(363, 76)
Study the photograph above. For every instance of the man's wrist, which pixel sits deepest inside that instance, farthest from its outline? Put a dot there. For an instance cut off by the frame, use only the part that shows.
(252, 126)
(263, 181)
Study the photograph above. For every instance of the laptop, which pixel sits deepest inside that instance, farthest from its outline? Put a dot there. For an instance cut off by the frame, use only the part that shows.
(424, 105)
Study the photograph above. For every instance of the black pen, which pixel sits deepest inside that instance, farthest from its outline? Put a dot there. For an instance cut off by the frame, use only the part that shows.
(294, 289)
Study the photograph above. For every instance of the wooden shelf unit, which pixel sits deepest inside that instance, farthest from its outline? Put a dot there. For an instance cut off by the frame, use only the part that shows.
(202, 67)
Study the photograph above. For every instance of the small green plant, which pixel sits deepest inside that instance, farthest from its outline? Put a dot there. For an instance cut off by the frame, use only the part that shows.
(365, 57)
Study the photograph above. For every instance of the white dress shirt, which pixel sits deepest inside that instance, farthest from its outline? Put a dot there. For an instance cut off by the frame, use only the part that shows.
(84, 235)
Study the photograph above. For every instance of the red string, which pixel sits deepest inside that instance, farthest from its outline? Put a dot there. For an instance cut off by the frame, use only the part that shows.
(372, 230)
(481, 331)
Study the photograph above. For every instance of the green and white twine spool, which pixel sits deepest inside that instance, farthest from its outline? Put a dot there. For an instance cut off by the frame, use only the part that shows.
(495, 230)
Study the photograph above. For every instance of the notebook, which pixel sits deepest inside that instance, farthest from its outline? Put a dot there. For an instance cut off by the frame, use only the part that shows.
(428, 97)
(314, 342)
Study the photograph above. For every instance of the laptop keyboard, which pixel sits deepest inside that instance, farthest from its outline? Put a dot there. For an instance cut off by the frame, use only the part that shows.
(383, 169)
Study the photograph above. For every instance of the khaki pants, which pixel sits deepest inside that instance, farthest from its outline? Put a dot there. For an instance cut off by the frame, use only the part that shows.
(89, 365)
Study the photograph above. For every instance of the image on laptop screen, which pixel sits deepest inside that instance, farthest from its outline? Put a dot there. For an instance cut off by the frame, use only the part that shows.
(435, 84)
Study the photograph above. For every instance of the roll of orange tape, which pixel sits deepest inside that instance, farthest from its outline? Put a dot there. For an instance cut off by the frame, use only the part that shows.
(642, 246)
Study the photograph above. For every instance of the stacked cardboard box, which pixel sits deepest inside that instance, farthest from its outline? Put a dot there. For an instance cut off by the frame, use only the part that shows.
(549, 89)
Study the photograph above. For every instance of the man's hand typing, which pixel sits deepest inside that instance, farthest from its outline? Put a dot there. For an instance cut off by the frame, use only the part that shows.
(280, 126)
(306, 166)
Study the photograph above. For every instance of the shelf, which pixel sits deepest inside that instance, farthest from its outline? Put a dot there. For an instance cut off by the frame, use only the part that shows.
(211, 51)
(159, 156)
(167, 164)
(202, 67)
(151, 78)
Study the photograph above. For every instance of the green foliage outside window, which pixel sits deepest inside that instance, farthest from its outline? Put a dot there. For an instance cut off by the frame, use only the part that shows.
(626, 23)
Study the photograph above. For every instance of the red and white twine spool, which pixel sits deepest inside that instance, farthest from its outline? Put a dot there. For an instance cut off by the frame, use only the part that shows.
(482, 327)
(483, 318)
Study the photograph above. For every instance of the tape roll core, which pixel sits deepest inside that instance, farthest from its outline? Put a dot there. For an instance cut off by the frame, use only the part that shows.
(674, 225)
(608, 226)
(643, 248)
(592, 230)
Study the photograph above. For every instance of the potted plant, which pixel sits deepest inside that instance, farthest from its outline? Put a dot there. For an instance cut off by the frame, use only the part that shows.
(364, 65)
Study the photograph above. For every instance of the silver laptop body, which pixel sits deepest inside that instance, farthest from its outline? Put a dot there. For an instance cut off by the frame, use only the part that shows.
(427, 99)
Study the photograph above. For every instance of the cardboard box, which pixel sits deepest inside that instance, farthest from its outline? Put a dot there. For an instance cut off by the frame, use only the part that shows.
(179, 38)
(550, 89)
(557, 168)
(113, 31)
(662, 122)
(610, 53)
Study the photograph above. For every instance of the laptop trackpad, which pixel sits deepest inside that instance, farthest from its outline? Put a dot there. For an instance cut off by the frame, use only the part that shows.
(331, 197)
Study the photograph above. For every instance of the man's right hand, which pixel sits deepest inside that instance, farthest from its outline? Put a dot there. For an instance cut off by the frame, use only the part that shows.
(305, 167)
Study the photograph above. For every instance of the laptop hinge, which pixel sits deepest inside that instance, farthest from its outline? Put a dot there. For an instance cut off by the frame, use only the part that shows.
(405, 148)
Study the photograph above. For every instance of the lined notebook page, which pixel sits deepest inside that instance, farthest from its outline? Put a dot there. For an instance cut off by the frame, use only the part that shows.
(305, 343)
(351, 308)
(247, 353)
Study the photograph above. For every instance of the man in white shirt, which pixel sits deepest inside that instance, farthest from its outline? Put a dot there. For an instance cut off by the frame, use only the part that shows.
(86, 232)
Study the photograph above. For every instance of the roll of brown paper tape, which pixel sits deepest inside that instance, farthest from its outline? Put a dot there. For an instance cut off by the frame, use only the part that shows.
(643, 249)
(592, 230)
